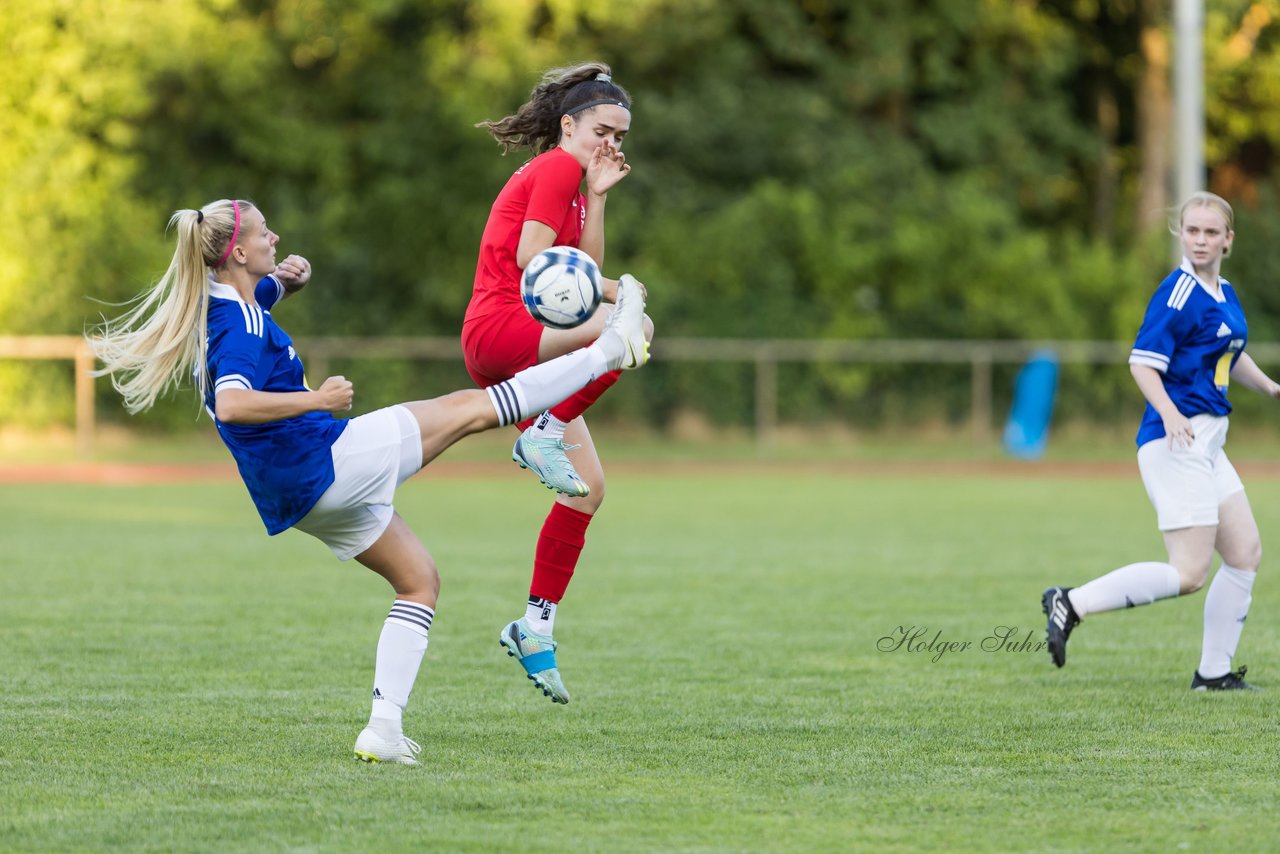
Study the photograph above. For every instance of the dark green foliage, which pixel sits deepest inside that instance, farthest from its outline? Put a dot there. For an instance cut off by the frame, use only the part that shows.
(839, 169)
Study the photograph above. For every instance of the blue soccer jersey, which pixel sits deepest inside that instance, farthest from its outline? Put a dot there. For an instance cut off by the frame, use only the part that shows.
(1193, 340)
(285, 464)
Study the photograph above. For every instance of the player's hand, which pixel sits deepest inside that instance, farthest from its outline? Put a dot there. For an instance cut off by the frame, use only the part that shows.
(293, 272)
(1178, 432)
(606, 167)
(336, 394)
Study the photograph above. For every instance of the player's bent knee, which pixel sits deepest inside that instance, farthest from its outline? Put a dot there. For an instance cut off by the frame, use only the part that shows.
(433, 582)
(425, 579)
(592, 502)
(1192, 579)
(1248, 558)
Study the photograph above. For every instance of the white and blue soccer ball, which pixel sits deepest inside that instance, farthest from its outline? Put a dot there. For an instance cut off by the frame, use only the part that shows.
(561, 287)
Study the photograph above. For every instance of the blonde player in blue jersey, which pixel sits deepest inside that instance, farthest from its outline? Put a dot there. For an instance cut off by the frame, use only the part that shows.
(1189, 349)
(210, 316)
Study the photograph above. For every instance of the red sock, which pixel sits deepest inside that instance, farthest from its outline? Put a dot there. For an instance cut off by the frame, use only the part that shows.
(559, 545)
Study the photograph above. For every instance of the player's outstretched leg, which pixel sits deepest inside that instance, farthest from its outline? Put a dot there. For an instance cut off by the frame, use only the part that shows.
(1062, 619)
(537, 655)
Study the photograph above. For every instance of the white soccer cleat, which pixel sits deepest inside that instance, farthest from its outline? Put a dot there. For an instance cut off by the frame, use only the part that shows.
(627, 322)
(373, 746)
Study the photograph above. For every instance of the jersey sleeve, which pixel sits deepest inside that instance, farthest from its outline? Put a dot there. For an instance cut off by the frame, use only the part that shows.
(1159, 335)
(233, 362)
(554, 188)
(268, 292)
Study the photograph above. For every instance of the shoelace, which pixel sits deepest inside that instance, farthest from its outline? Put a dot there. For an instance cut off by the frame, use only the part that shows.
(413, 746)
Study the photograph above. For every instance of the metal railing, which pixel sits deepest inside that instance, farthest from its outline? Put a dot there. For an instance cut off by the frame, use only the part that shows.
(765, 354)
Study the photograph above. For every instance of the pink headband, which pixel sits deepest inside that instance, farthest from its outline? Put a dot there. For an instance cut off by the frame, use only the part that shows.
(235, 232)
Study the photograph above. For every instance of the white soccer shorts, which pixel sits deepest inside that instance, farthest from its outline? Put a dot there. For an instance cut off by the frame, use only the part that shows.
(1187, 485)
(374, 455)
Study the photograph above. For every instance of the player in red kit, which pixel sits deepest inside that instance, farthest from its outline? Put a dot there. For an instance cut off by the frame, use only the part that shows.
(574, 123)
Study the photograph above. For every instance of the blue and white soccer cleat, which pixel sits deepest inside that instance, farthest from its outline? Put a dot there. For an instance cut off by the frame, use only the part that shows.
(546, 458)
(537, 655)
(372, 746)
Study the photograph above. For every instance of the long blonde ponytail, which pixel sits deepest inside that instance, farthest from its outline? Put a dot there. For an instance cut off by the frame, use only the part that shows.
(164, 334)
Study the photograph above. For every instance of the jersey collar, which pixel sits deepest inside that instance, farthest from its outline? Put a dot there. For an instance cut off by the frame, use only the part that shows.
(221, 290)
(224, 291)
(1187, 268)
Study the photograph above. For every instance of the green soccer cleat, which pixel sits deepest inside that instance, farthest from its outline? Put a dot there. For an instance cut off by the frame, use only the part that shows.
(537, 655)
(546, 459)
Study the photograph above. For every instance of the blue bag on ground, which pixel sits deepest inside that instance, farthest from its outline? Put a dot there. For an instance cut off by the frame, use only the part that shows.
(1027, 432)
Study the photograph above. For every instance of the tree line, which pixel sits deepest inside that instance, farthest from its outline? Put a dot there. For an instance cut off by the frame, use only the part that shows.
(801, 168)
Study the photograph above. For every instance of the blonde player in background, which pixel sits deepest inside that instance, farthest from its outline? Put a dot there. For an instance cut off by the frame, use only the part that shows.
(1190, 347)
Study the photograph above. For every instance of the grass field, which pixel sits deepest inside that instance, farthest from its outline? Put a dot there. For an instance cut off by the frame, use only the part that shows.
(171, 679)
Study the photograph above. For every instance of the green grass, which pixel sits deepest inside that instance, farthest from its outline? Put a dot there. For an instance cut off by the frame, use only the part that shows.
(150, 443)
(172, 679)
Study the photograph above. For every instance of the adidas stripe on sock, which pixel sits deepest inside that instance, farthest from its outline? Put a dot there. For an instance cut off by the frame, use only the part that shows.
(412, 615)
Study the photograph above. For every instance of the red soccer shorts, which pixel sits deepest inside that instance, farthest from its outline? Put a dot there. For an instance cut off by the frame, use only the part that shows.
(498, 345)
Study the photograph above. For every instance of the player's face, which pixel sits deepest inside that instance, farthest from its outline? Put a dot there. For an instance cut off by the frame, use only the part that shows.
(1205, 236)
(582, 134)
(258, 242)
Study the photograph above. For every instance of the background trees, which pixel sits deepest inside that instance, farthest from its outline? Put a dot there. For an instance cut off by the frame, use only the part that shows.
(937, 168)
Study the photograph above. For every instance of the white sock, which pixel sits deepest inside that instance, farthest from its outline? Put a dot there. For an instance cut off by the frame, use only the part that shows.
(1126, 587)
(540, 616)
(401, 646)
(543, 386)
(547, 426)
(1225, 607)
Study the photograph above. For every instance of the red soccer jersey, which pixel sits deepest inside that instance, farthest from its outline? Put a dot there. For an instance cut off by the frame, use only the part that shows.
(547, 190)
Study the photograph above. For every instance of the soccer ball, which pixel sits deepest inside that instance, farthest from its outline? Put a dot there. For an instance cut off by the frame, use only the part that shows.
(561, 287)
